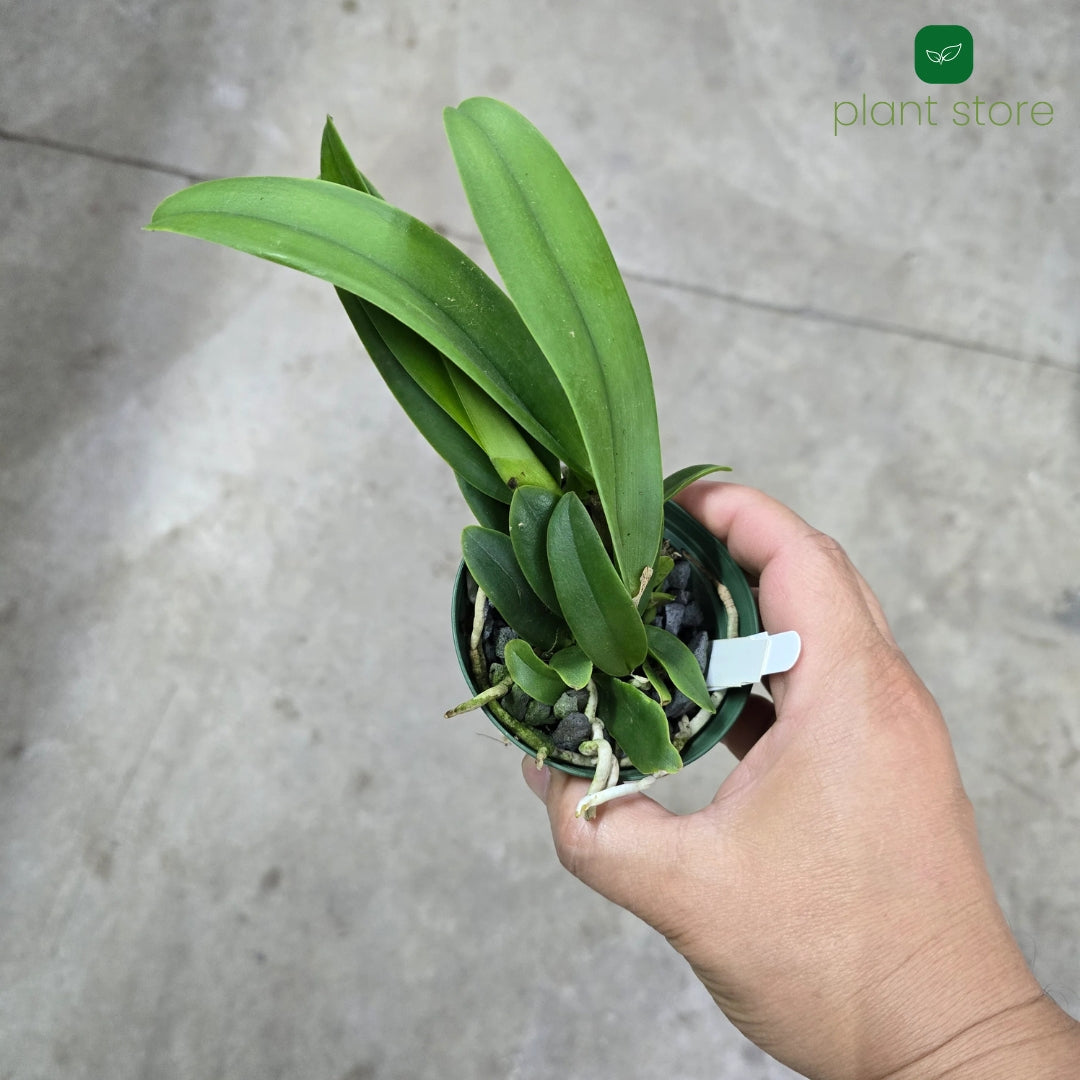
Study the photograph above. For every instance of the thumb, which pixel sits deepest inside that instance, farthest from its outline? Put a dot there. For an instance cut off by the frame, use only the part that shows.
(627, 853)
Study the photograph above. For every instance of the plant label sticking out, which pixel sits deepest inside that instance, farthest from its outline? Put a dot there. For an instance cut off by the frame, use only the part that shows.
(742, 661)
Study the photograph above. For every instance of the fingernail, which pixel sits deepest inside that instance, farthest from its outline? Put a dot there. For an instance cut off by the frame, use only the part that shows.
(537, 779)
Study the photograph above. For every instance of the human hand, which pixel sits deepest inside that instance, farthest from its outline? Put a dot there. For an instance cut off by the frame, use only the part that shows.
(832, 897)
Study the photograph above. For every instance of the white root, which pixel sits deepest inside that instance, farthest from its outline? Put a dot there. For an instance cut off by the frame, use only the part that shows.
(485, 697)
(613, 776)
(689, 726)
(588, 805)
(729, 606)
(479, 611)
(605, 758)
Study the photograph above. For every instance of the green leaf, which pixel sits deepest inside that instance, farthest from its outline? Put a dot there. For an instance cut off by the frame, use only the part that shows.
(336, 163)
(371, 249)
(639, 725)
(647, 601)
(448, 440)
(573, 666)
(500, 438)
(594, 602)
(674, 483)
(513, 457)
(490, 559)
(664, 565)
(423, 362)
(491, 513)
(428, 366)
(653, 675)
(530, 513)
(560, 273)
(679, 663)
(532, 674)
(425, 365)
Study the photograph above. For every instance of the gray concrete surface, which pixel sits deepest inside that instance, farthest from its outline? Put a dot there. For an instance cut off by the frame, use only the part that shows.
(230, 845)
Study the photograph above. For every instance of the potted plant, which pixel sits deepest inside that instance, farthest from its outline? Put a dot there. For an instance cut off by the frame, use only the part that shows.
(582, 627)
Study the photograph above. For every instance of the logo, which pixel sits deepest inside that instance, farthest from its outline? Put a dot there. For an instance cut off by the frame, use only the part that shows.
(944, 54)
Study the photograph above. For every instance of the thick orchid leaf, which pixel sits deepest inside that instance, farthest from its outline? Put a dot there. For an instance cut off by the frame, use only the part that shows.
(530, 513)
(490, 559)
(674, 483)
(532, 674)
(681, 666)
(423, 362)
(560, 273)
(426, 365)
(639, 725)
(336, 163)
(367, 247)
(500, 438)
(593, 600)
(491, 513)
(448, 440)
(574, 667)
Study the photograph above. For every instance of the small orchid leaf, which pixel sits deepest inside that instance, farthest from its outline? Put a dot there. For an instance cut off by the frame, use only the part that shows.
(679, 663)
(447, 438)
(560, 273)
(652, 673)
(674, 483)
(574, 667)
(639, 726)
(490, 559)
(664, 565)
(491, 513)
(934, 56)
(531, 673)
(530, 513)
(593, 599)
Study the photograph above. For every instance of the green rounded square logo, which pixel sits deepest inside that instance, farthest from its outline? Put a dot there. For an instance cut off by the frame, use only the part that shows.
(944, 54)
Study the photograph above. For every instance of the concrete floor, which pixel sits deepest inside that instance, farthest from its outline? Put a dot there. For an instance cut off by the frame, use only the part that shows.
(227, 849)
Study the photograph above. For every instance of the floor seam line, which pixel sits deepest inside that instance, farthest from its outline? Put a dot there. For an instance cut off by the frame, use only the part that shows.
(146, 164)
(795, 311)
(811, 314)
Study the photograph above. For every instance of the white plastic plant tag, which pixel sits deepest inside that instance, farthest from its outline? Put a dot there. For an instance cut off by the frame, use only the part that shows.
(744, 660)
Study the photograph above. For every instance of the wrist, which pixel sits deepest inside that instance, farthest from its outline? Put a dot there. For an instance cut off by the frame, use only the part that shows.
(1034, 1039)
(963, 1006)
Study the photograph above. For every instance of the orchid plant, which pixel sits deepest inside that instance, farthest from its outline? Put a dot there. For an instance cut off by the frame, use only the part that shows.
(540, 399)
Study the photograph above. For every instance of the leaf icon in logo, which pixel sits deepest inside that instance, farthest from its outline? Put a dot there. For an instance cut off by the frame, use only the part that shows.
(934, 56)
(951, 53)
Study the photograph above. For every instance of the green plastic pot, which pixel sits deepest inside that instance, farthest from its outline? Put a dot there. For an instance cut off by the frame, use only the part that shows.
(691, 538)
